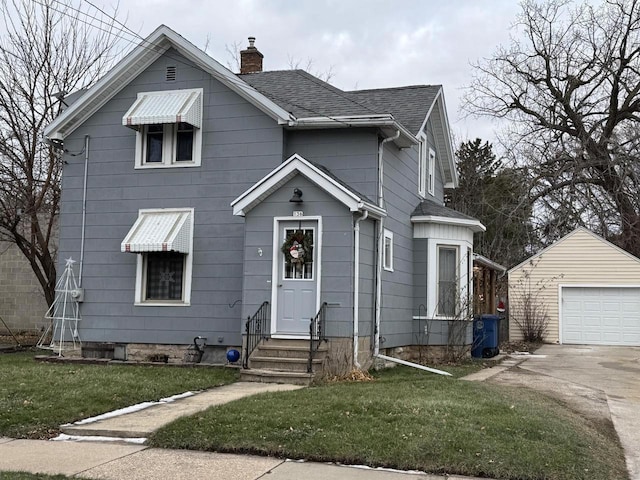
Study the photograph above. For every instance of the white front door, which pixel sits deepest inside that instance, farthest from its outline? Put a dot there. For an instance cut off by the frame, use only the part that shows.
(297, 277)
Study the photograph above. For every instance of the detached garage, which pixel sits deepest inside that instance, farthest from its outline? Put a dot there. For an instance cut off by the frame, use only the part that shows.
(589, 287)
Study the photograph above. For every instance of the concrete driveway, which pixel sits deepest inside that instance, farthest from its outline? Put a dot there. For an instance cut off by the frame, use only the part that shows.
(612, 370)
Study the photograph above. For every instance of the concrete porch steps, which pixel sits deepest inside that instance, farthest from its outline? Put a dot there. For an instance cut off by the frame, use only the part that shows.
(276, 376)
(285, 364)
(283, 361)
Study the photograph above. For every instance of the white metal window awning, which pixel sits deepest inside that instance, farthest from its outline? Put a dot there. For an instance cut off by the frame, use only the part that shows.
(170, 106)
(159, 231)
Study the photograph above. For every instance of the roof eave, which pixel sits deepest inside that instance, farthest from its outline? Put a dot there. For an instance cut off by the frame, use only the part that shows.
(387, 124)
(487, 262)
(473, 224)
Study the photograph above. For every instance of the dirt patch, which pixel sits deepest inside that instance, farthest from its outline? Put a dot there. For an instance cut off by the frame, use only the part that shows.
(26, 338)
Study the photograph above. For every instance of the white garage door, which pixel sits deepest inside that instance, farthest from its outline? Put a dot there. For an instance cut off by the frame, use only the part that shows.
(600, 316)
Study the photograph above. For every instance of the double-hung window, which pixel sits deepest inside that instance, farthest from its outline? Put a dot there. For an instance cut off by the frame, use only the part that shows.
(431, 173)
(168, 128)
(448, 288)
(387, 254)
(422, 166)
(426, 167)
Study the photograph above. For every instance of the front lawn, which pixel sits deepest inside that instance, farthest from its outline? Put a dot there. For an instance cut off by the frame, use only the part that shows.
(35, 398)
(408, 419)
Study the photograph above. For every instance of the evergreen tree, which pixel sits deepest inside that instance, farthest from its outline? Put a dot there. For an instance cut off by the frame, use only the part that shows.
(497, 196)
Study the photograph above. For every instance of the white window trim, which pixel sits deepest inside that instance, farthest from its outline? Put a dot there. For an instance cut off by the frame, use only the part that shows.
(387, 235)
(422, 165)
(168, 146)
(465, 285)
(456, 249)
(431, 175)
(188, 268)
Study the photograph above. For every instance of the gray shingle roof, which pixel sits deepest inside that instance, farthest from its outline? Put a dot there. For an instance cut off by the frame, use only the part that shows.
(409, 105)
(429, 207)
(304, 95)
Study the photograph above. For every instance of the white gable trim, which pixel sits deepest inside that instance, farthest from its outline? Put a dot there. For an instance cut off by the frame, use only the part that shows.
(293, 166)
(445, 149)
(567, 236)
(143, 55)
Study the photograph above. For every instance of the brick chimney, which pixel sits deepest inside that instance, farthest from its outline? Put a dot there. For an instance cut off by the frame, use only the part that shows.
(251, 58)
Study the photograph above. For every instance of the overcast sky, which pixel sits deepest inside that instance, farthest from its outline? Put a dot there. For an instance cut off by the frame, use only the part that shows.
(365, 43)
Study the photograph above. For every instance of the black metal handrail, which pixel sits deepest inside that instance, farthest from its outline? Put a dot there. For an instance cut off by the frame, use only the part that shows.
(257, 328)
(316, 334)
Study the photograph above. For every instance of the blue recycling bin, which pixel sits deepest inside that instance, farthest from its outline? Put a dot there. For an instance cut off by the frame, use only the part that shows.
(486, 330)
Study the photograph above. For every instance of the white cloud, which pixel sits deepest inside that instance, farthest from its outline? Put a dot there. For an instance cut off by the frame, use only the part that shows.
(366, 43)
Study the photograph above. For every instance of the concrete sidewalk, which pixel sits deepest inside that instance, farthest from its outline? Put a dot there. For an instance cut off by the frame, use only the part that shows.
(113, 461)
(141, 423)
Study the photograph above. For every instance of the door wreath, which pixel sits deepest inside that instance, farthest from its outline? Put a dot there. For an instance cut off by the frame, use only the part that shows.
(297, 248)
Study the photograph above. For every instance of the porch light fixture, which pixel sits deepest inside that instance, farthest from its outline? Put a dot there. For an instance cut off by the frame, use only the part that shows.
(297, 196)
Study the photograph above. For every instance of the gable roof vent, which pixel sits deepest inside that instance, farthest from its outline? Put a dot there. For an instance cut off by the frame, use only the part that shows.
(171, 73)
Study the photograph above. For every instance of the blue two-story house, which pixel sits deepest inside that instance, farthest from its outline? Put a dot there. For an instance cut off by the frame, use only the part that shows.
(203, 198)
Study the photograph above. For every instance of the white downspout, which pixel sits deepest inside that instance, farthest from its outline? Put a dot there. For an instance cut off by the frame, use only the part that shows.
(356, 286)
(376, 338)
(84, 207)
(414, 365)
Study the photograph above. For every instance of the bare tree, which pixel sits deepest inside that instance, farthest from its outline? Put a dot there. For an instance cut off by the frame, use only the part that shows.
(569, 83)
(47, 49)
(309, 67)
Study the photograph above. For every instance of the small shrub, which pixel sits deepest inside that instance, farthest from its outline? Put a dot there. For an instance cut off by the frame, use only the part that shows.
(526, 306)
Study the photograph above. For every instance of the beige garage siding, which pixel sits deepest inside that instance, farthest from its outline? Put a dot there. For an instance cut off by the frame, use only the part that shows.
(580, 258)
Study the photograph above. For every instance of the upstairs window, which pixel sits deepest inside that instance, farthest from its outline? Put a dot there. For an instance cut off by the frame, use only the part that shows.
(168, 128)
(431, 173)
(387, 260)
(168, 144)
(422, 166)
(426, 167)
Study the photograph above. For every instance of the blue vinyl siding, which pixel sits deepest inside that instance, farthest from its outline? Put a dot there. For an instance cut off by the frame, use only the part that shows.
(350, 154)
(337, 251)
(240, 145)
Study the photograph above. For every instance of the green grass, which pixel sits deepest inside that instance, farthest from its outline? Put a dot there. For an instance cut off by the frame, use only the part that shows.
(35, 398)
(411, 420)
